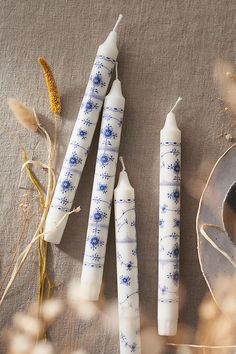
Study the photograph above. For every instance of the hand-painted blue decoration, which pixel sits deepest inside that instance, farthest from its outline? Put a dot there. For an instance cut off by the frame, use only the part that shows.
(103, 187)
(82, 133)
(81, 137)
(127, 274)
(125, 280)
(169, 221)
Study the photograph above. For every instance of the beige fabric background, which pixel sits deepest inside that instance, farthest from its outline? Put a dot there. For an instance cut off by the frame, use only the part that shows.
(167, 49)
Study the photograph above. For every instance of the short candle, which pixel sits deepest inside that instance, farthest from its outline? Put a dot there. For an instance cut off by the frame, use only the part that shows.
(169, 226)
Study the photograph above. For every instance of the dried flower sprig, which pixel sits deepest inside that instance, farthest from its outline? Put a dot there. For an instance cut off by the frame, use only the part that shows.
(23, 114)
(53, 92)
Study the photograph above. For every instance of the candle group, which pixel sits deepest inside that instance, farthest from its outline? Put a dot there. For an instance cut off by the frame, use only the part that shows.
(124, 203)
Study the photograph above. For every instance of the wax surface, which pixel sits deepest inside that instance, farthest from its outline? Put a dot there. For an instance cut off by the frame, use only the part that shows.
(102, 193)
(127, 270)
(79, 144)
(169, 227)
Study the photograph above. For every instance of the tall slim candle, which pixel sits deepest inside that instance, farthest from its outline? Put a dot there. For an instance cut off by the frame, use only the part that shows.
(102, 194)
(127, 265)
(81, 138)
(169, 226)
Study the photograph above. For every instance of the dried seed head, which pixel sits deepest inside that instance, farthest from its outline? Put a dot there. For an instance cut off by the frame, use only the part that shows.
(86, 310)
(28, 324)
(53, 92)
(23, 114)
(20, 344)
(43, 348)
(228, 137)
(231, 76)
(51, 310)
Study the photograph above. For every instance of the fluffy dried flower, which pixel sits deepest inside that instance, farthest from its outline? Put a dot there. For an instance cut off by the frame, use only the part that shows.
(109, 316)
(226, 83)
(151, 342)
(51, 310)
(20, 344)
(208, 309)
(23, 114)
(86, 310)
(28, 324)
(43, 348)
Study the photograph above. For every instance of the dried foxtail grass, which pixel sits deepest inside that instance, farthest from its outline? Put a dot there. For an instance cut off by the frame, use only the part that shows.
(53, 92)
(23, 114)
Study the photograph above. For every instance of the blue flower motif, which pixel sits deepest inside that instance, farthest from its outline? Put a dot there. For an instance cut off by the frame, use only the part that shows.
(161, 223)
(104, 159)
(174, 276)
(133, 347)
(108, 134)
(108, 131)
(82, 133)
(125, 280)
(175, 166)
(176, 222)
(129, 265)
(66, 186)
(97, 79)
(95, 242)
(163, 289)
(134, 252)
(102, 187)
(174, 252)
(175, 195)
(89, 106)
(98, 215)
(63, 200)
(164, 208)
(74, 159)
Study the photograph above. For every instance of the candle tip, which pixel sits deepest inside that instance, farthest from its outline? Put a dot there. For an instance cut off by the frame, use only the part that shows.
(117, 22)
(117, 70)
(122, 163)
(176, 103)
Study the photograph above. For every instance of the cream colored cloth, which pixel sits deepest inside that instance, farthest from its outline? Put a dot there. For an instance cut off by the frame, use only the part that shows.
(167, 49)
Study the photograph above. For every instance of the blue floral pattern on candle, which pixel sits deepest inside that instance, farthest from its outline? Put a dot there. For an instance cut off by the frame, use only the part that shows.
(127, 275)
(102, 193)
(169, 220)
(82, 134)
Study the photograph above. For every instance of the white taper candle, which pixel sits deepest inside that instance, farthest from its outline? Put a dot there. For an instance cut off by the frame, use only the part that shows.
(81, 138)
(102, 194)
(169, 226)
(127, 266)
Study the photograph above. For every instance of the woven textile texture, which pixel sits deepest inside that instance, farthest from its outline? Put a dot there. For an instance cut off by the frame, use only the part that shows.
(168, 48)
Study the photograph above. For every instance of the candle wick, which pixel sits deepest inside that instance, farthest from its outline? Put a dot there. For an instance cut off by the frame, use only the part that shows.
(117, 22)
(122, 163)
(116, 70)
(176, 103)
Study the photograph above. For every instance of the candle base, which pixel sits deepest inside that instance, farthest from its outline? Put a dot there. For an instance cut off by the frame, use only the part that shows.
(89, 291)
(54, 227)
(167, 327)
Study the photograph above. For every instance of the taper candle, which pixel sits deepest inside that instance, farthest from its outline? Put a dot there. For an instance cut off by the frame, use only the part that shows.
(102, 194)
(169, 226)
(127, 265)
(81, 138)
